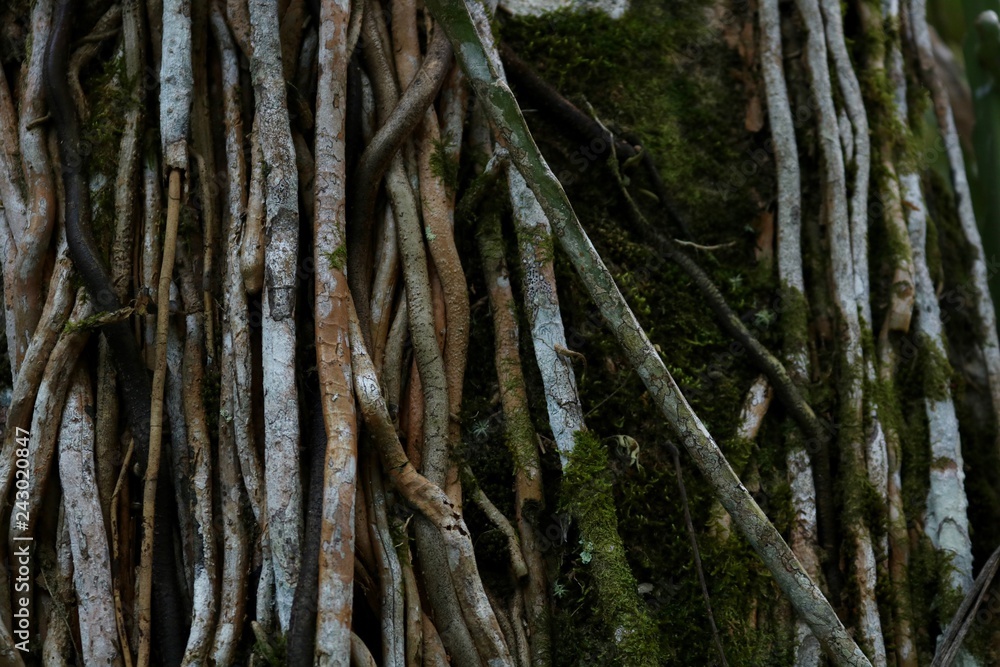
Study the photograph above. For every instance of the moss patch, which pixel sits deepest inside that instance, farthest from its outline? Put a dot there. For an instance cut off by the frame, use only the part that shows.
(587, 496)
(337, 258)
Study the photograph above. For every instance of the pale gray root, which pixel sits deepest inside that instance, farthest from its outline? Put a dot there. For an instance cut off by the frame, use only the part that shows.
(265, 611)
(754, 409)
(752, 413)
(283, 486)
(87, 533)
(237, 339)
(152, 217)
(236, 353)
(876, 451)
(541, 302)
(541, 299)
(235, 541)
(392, 364)
(804, 541)
(252, 242)
(946, 523)
(127, 193)
(898, 319)
(176, 83)
(57, 574)
(850, 91)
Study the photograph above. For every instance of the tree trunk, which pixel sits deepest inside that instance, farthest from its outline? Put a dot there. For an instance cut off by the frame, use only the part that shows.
(444, 333)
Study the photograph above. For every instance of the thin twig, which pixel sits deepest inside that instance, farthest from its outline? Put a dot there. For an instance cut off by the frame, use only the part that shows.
(696, 552)
(698, 246)
(156, 421)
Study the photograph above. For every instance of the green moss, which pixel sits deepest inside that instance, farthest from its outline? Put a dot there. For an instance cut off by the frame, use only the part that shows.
(337, 258)
(108, 102)
(794, 316)
(444, 164)
(587, 496)
(936, 372)
(545, 247)
(679, 100)
(272, 651)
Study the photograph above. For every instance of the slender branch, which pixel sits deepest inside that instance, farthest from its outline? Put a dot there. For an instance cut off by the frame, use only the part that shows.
(156, 423)
(696, 552)
(496, 517)
(106, 27)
